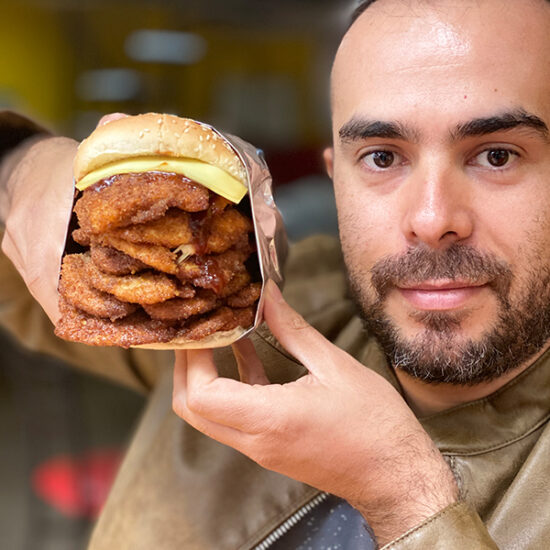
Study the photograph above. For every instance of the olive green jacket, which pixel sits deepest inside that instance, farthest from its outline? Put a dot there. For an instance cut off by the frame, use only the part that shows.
(178, 489)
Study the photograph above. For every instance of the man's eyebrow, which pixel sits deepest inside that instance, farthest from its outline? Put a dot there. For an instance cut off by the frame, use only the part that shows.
(358, 128)
(504, 121)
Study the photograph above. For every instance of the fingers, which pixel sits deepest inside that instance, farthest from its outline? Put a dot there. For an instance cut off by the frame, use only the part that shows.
(251, 370)
(203, 369)
(180, 373)
(205, 393)
(201, 393)
(110, 117)
(299, 338)
(183, 405)
(206, 400)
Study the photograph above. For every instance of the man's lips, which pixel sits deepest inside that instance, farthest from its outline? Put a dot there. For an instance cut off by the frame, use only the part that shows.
(440, 295)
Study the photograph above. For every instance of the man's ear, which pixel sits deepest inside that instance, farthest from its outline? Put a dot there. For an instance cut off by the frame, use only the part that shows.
(328, 155)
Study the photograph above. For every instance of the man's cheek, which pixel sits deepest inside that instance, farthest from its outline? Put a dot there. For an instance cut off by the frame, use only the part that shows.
(358, 230)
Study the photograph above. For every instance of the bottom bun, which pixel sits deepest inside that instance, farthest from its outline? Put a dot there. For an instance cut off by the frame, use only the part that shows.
(217, 340)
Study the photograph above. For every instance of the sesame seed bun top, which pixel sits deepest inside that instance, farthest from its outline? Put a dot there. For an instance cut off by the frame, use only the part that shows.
(151, 135)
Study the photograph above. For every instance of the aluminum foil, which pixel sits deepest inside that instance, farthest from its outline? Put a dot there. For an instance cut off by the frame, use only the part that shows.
(270, 232)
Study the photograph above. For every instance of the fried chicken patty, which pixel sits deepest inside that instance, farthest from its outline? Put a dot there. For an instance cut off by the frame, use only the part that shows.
(226, 230)
(205, 234)
(115, 262)
(163, 252)
(222, 319)
(214, 272)
(133, 330)
(82, 237)
(171, 230)
(142, 288)
(155, 256)
(237, 282)
(247, 296)
(75, 288)
(137, 198)
(180, 309)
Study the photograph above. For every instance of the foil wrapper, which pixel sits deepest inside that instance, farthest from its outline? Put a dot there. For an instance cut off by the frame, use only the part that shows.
(270, 235)
(269, 228)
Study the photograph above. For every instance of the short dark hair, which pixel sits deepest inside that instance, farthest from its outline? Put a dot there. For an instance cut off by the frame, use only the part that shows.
(364, 4)
(361, 7)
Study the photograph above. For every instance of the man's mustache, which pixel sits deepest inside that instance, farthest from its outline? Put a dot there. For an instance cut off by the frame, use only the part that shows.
(458, 262)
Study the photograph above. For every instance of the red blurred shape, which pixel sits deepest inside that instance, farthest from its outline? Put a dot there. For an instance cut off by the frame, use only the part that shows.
(77, 486)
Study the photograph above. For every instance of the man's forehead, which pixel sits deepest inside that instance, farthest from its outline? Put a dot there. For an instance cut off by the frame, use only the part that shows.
(471, 40)
(448, 25)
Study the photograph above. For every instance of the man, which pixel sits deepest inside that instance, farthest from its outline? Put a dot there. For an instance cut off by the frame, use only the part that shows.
(440, 164)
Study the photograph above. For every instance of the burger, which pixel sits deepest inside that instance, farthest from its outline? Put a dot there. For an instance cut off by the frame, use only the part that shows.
(166, 253)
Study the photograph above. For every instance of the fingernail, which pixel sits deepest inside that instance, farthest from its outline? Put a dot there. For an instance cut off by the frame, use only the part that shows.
(105, 119)
(273, 291)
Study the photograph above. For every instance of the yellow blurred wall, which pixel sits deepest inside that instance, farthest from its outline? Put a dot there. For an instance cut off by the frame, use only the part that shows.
(44, 49)
(35, 63)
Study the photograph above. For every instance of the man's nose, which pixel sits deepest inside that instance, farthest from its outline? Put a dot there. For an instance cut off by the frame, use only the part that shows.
(436, 206)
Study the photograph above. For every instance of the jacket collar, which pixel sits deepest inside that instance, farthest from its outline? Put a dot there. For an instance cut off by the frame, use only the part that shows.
(507, 415)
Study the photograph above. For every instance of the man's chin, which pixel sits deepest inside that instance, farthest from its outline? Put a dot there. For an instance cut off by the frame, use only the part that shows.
(431, 349)
(437, 353)
(436, 347)
(447, 332)
(440, 322)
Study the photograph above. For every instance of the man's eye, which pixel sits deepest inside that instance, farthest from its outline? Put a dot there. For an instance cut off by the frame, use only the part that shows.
(381, 160)
(496, 158)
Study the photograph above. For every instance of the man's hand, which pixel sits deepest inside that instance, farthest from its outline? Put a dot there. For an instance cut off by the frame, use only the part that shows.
(36, 198)
(341, 428)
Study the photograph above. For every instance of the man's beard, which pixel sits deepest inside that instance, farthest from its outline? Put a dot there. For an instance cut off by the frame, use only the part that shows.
(439, 354)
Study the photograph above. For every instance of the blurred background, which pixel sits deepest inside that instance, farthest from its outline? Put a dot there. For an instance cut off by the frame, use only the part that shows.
(255, 68)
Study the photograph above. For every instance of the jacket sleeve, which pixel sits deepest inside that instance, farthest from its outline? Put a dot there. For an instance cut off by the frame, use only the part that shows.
(456, 527)
(16, 128)
(20, 314)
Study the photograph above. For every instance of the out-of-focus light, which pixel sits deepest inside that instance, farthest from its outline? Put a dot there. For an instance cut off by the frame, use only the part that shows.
(108, 85)
(158, 46)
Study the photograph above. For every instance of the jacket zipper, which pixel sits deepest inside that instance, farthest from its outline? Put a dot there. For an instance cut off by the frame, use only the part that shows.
(291, 521)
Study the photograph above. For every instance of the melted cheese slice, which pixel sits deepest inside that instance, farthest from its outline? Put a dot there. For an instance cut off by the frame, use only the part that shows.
(212, 177)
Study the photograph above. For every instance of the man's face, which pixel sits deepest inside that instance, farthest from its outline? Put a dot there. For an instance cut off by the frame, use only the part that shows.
(441, 167)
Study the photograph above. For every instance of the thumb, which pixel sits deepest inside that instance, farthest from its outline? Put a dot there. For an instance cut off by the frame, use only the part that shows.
(294, 333)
